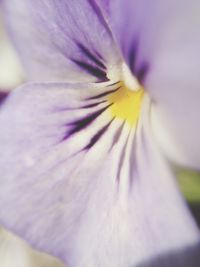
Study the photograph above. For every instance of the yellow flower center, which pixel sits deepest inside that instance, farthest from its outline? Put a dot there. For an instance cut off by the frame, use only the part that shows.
(126, 104)
(128, 98)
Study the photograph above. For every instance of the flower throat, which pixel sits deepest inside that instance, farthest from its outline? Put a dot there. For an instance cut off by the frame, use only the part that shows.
(127, 99)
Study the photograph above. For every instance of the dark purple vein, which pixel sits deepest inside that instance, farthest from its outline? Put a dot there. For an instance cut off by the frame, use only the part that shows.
(82, 123)
(98, 135)
(94, 104)
(90, 55)
(3, 96)
(142, 72)
(91, 69)
(113, 84)
(122, 157)
(103, 94)
(117, 135)
(97, 10)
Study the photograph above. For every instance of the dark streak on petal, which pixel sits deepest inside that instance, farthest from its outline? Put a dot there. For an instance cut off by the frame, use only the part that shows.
(104, 94)
(61, 109)
(98, 135)
(99, 14)
(122, 156)
(139, 71)
(90, 55)
(91, 69)
(3, 96)
(148, 158)
(133, 56)
(94, 104)
(99, 56)
(142, 72)
(134, 169)
(113, 84)
(84, 122)
(117, 136)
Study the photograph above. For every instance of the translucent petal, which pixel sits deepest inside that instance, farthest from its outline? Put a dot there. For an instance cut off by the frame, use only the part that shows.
(60, 40)
(84, 186)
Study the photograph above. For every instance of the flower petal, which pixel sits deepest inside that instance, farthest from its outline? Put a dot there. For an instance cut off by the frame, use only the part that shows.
(160, 42)
(93, 192)
(60, 40)
(129, 22)
(174, 84)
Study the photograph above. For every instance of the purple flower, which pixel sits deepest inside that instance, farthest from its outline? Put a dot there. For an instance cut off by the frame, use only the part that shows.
(113, 90)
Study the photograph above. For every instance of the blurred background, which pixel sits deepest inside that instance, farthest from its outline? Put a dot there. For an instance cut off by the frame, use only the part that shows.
(11, 73)
(189, 182)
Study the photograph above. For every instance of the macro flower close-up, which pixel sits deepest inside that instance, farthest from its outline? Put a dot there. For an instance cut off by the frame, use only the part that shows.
(108, 106)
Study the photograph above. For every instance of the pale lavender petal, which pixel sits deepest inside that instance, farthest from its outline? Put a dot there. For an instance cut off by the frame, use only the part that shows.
(160, 41)
(131, 23)
(174, 84)
(61, 40)
(84, 186)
